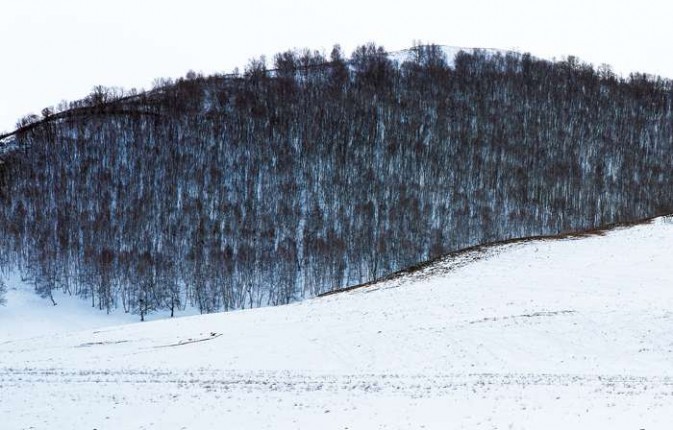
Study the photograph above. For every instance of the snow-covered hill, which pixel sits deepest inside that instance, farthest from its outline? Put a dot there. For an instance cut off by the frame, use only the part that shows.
(574, 333)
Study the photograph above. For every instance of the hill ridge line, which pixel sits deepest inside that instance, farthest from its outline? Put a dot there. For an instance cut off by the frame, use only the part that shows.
(480, 249)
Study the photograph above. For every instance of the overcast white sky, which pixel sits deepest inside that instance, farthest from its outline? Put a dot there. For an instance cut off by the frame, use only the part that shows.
(59, 49)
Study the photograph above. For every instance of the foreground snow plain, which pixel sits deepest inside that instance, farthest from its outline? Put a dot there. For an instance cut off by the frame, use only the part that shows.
(573, 333)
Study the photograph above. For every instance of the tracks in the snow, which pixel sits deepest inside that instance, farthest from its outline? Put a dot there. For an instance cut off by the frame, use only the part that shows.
(394, 384)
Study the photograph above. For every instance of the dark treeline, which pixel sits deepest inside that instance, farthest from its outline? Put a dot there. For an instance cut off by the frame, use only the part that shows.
(315, 173)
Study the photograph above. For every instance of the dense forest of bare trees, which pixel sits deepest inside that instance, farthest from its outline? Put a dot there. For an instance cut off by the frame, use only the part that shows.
(315, 172)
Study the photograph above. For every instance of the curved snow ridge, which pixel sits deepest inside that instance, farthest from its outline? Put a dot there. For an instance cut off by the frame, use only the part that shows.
(457, 259)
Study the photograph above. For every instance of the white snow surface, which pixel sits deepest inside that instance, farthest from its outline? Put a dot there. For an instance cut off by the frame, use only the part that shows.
(450, 52)
(547, 334)
(26, 315)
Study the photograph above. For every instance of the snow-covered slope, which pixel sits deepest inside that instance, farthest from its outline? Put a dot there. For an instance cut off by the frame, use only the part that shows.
(449, 52)
(26, 315)
(574, 333)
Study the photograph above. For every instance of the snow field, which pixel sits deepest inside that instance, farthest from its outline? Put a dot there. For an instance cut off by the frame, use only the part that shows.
(561, 334)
